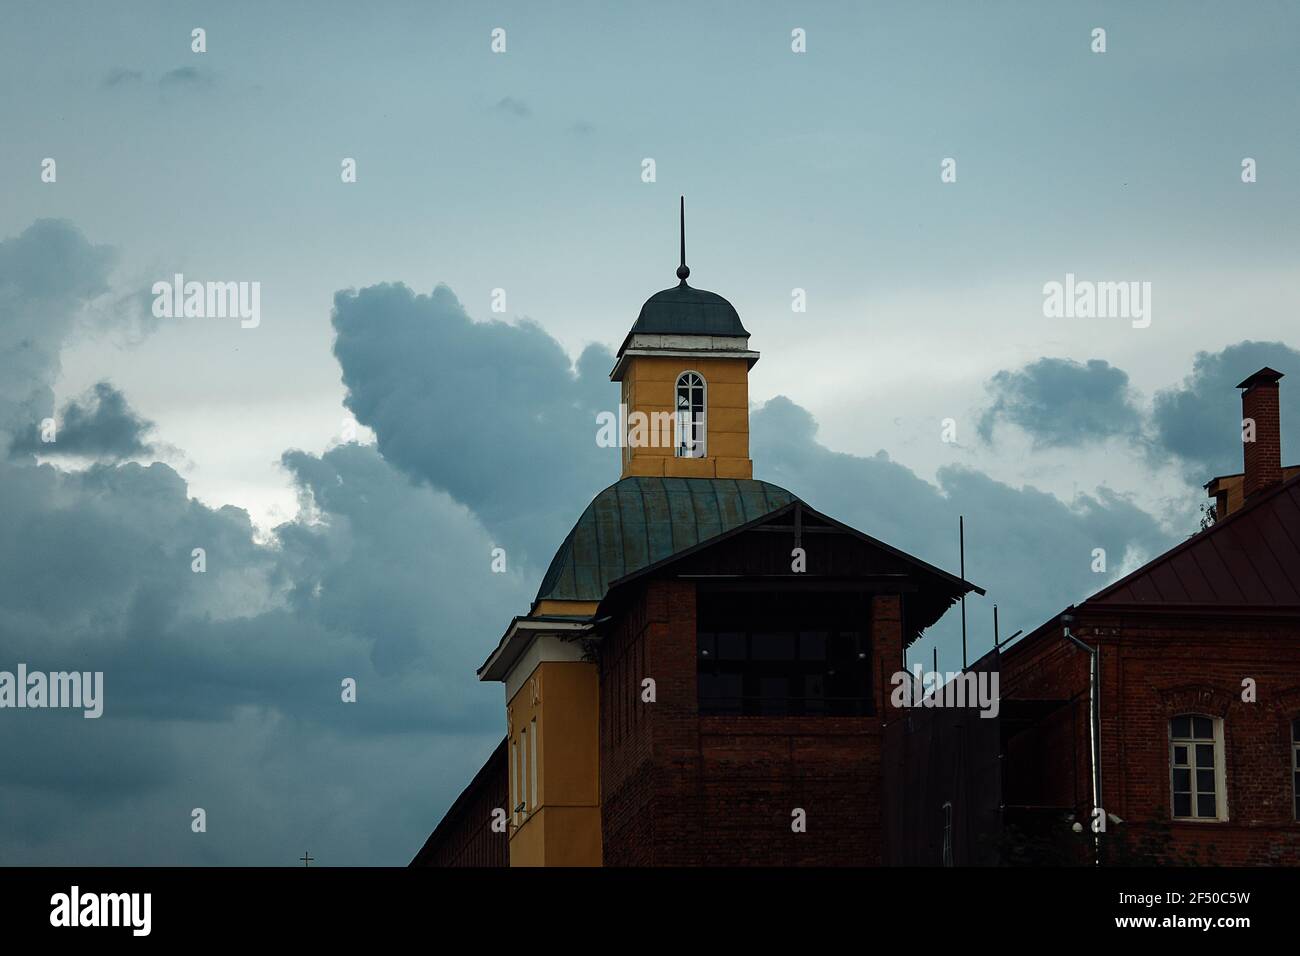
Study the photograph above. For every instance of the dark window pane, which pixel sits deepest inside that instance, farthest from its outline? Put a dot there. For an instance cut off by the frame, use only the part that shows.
(1182, 781)
(1205, 781)
(1205, 755)
(1180, 755)
(788, 652)
(772, 647)
(812, 646)
(728, 687)
(774, 693)
(1205, 805)
(1204, 728)
(731, 646)
(1182, 805)
(1295, 729)
(1182, 726)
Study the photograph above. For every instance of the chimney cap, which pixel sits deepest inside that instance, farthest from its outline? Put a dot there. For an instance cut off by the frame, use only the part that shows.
(1265, 376)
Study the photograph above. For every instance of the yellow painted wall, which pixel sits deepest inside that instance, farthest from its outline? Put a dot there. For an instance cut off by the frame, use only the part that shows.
(649, 386)
(1233, 485)
(570, 608)
(564, 828)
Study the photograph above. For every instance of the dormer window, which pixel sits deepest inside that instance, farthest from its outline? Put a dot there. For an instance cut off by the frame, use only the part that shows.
(690, 415)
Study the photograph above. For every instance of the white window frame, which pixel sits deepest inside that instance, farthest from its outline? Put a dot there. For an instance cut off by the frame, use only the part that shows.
(534, 799)
(522, 802)
(514, 782)
(1220, 775)
(681, 420)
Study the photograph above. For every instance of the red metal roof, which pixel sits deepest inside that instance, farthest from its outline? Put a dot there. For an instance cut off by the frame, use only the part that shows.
(1250, 559)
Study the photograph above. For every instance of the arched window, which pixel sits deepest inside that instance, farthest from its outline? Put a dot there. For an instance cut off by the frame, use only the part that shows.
(1196, 767)
(691, 438)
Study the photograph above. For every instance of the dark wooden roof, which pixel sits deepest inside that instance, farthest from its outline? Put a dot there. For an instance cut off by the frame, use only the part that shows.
(842, 555)
(638, 526)
(1250, 559)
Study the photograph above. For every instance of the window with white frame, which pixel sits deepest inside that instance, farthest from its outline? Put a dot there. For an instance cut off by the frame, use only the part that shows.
(1196, 768)
(532, 765)
(522, 804)
(691, 438)
(514, 783)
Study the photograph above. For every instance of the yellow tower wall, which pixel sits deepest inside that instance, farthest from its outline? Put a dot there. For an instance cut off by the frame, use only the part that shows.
(649, 386)
(563, 829)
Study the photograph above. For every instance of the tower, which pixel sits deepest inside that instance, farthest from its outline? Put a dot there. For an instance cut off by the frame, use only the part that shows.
(703, 646)
(684, 370)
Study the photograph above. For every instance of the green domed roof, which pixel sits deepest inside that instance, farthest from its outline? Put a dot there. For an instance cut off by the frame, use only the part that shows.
(637, 522)
(683, 310)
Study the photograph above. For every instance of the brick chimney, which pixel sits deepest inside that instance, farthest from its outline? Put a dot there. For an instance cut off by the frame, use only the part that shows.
(1259, 402)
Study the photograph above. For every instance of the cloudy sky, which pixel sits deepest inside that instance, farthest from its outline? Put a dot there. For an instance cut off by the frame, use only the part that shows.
(329, 557)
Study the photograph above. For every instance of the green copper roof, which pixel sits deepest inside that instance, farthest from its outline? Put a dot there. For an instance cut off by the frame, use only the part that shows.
(683, 310)
(637, 522)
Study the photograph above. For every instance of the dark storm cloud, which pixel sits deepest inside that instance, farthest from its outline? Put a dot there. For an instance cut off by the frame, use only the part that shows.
(48, 276)
(458, 404)
(1031, 551)
(514, 107)
(222, 688)
(186, 78)
(1198, 419)
(99, 425)
(381, 580)
(1062, 403)
(493, 412)
(121, 77)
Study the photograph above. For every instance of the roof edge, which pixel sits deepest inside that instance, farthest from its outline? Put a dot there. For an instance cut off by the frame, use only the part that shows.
(1247, 507)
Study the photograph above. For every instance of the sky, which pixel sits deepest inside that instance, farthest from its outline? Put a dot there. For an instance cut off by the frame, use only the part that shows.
(349, 464)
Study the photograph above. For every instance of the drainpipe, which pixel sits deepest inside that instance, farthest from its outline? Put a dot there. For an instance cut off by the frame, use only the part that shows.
(1094, 713)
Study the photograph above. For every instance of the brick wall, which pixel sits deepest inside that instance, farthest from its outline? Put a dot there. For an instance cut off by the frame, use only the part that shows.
(465, 836)
(681, 789)
(1155, 668)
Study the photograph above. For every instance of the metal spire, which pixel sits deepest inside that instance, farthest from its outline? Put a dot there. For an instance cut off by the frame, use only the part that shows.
(683, 270)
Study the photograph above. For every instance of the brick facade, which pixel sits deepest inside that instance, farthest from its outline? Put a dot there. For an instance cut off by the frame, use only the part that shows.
(465, 836)
(684, 789)
(1155, 667)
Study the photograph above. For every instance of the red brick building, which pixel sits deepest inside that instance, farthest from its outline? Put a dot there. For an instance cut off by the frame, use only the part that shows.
(704, 675)
(1198, 690)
